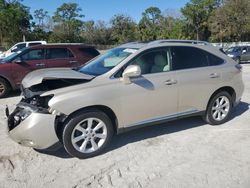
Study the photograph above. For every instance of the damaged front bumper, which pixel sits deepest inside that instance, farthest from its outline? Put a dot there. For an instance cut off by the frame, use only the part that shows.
(32, 127)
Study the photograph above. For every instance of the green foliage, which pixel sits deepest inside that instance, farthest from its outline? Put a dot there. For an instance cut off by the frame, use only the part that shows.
(149, 25)
(214, 20)
(97, 33)
(231, 22)
(197, 13)
(68, 23)
(124, 29)
(14, 22)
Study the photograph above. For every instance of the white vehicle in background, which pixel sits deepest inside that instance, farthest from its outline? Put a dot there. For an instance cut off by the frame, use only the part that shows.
(17, 47)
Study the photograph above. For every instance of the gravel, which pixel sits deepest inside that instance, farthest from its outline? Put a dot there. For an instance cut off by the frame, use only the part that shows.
(183, 153)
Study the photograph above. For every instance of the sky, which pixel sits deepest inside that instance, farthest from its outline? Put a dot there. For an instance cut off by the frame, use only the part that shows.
(105, 9)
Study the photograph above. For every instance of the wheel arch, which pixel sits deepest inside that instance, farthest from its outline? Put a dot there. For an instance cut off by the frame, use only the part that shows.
(8, 81)
(228, 89)
(105, 109)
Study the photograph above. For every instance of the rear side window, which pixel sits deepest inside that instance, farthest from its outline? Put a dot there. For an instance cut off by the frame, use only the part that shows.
(188, 57)
(35, 54)
(59, 53)
(89, 52)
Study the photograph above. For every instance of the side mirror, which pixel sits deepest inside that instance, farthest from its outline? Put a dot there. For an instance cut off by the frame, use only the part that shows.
(244, 51)
(132, 71)
(18, 61)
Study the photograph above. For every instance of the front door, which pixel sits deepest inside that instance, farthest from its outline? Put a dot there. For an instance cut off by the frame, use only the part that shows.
(29, 61)
(153, 96)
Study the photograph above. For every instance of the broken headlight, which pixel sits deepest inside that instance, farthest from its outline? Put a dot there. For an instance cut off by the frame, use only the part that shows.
(17, 116)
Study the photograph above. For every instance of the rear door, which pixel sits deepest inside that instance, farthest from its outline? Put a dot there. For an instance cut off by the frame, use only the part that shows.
(197, 79)
(60, 57)
(30, 60)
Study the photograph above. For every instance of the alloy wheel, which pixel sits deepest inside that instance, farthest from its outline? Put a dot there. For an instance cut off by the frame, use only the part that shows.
(220, 108)
(89, 135)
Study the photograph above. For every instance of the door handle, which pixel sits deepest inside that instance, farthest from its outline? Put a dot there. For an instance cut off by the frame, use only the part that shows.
(214, 75)
(170, 82)
(72, 62)
(40, 64)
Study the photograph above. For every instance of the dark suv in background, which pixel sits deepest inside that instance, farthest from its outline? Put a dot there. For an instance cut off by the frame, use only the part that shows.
(16, 66)
(239, 53)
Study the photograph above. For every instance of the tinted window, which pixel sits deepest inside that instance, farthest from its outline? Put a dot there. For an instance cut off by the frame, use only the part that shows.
(89, 51)
(59, 53)
(33, 55)
(214, 60)
(188, 57)
(35, 43)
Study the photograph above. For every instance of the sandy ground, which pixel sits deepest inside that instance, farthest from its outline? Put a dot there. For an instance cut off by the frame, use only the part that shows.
(184, 153)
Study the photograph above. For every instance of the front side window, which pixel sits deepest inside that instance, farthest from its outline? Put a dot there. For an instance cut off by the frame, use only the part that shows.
(107, 61)
(155, 61)
(36, 54)
(188, 57)
(59, 53)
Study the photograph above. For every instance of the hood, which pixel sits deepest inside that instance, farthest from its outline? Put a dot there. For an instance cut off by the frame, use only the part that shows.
(38, 76)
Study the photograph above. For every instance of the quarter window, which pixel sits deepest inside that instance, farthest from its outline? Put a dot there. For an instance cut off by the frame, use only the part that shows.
(214, 60)
(36, 54)
(188, 57)
(89, 52)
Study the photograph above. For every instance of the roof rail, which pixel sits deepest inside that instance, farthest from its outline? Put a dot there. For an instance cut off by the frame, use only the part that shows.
(179, 41)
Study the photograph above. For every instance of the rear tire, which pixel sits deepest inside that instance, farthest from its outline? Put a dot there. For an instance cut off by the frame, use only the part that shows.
(219, 108)
(87, 133)
(4, 88)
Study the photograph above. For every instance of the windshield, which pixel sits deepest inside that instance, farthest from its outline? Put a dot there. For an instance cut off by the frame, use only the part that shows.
(107, 61)
(12, 56)
(233, 49)
(8, 58)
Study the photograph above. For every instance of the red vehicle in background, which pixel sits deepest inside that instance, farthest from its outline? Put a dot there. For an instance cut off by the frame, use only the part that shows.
(14, 68)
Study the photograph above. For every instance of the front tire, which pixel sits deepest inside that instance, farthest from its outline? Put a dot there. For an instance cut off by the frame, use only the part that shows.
(4, 88)
(87, 134)
(219, 108)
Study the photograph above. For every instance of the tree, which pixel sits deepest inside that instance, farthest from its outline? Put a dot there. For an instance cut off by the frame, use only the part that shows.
(231, 21)
(14, 21)
(149, 24)
(197, 13)
(97, 33)
(68, 23)
(41, 15)
(123, 29)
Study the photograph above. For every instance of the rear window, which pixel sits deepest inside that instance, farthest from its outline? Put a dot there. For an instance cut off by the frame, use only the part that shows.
(59, 53)
(89, 52)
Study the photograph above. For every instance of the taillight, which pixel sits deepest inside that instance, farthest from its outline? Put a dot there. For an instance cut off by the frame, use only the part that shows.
(239, 67)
